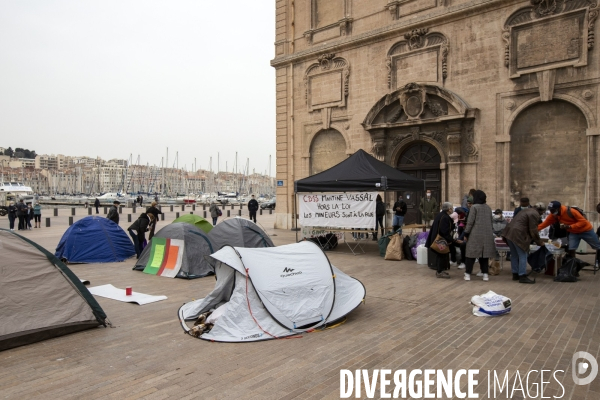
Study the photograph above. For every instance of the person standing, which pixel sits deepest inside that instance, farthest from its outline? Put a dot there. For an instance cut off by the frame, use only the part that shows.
(428, 208)
(154, 210)
(215, 211)
(524, 203)
(480, 236)
(12, 215)
(399, 213)
(97, 204)
(522, 230)
(379, 214)
(28, 216)
(253, 208)
(141, 200)
(574, 222)
(113, 212)
(37, 215)
(21, 212)
(442, 225)
(138, 230)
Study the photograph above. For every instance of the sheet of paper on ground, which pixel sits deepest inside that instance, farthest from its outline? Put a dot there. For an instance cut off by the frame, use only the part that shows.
(111, 292)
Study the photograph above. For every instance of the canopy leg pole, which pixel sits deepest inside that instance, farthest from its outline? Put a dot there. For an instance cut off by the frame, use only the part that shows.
(295, 217)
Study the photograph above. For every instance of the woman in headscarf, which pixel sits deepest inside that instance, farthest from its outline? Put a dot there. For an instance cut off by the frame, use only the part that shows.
(442, 225)
(480, 236)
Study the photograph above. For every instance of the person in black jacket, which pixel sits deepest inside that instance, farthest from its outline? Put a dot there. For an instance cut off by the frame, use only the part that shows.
(399, 213)
(21, 213)
(137, 231)
(156, 212)
(113, 212)
(97, 204)
(253, 208)
(12, 215)
(442, 224)
(379, 214)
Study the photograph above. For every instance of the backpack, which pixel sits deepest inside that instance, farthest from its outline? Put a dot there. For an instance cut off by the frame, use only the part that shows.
(568, 272)
(578, 209)
(219, 212)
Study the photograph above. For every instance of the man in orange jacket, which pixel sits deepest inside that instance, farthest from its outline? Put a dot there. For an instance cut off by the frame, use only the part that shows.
(577, 225)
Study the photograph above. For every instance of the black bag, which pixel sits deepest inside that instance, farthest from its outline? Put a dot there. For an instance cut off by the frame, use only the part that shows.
(568, 271)
(406, 248)
(412, 242)
(575, 208)
(539, 259)
(332, 240)
(556, 232)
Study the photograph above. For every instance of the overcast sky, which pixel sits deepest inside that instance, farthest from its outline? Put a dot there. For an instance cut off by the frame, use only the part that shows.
(114, 78)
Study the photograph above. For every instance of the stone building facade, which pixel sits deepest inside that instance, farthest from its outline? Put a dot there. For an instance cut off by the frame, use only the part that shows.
(499, 95)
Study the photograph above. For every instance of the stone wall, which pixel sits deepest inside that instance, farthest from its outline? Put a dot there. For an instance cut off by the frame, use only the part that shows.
(479, 66)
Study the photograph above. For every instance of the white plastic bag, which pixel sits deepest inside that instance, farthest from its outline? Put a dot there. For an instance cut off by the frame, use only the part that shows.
(490, 304)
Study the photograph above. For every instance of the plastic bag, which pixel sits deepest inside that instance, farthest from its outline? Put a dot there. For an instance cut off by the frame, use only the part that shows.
(394, 248)
(421, 240)
(490, 304)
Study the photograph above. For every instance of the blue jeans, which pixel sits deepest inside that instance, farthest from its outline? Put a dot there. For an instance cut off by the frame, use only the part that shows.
(398, 220)
(589, 236)
(518, 259)
(215, 220)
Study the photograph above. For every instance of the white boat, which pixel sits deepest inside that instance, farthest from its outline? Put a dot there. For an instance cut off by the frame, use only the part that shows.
(14, 191)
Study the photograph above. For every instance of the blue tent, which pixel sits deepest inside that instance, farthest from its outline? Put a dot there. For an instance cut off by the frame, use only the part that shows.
(94, 240)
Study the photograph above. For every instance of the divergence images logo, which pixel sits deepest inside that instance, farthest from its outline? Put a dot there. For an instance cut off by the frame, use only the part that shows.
(580, 368)
(289, 272)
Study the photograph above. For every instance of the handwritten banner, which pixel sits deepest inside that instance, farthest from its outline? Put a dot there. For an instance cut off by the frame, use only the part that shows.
(338, 210)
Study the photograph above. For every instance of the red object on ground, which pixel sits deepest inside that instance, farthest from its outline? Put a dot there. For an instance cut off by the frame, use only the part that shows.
(128, 291)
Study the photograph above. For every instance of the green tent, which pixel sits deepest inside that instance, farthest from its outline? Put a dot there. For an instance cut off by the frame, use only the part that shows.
(199, 222)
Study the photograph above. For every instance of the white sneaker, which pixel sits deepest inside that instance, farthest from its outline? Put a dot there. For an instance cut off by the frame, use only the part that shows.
(481, 274)
(453, 264)
(462, 266)
(485, 277)
(467, 277)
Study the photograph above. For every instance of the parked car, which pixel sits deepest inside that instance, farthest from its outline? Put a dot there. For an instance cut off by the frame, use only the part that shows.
(269, 205)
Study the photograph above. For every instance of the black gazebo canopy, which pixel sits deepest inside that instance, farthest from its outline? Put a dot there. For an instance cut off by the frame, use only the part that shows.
(360, 172)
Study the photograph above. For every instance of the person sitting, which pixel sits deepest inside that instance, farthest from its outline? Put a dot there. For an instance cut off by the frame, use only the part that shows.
(574, 222)
(442, 225)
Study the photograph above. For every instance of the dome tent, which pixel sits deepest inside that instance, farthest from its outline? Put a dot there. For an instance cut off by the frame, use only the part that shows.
(40, 297)
(197, 221)
(177, 250)
(94, 239)
(269, 293)
(239, 232)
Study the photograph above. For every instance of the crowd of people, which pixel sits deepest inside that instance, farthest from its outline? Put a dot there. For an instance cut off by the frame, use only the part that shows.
(473, 227)
(23, 214)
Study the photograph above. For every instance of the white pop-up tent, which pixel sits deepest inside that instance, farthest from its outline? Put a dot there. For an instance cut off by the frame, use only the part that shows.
(270, 293)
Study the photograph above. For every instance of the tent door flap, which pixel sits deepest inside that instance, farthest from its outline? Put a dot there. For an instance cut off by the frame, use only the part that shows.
(308, 322)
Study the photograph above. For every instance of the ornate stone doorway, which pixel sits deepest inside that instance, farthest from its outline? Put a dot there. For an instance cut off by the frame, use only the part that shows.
(427, 131)
(420, 160)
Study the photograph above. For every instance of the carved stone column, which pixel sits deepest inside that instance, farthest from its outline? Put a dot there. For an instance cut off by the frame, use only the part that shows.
(453, 131)
(454, 144)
